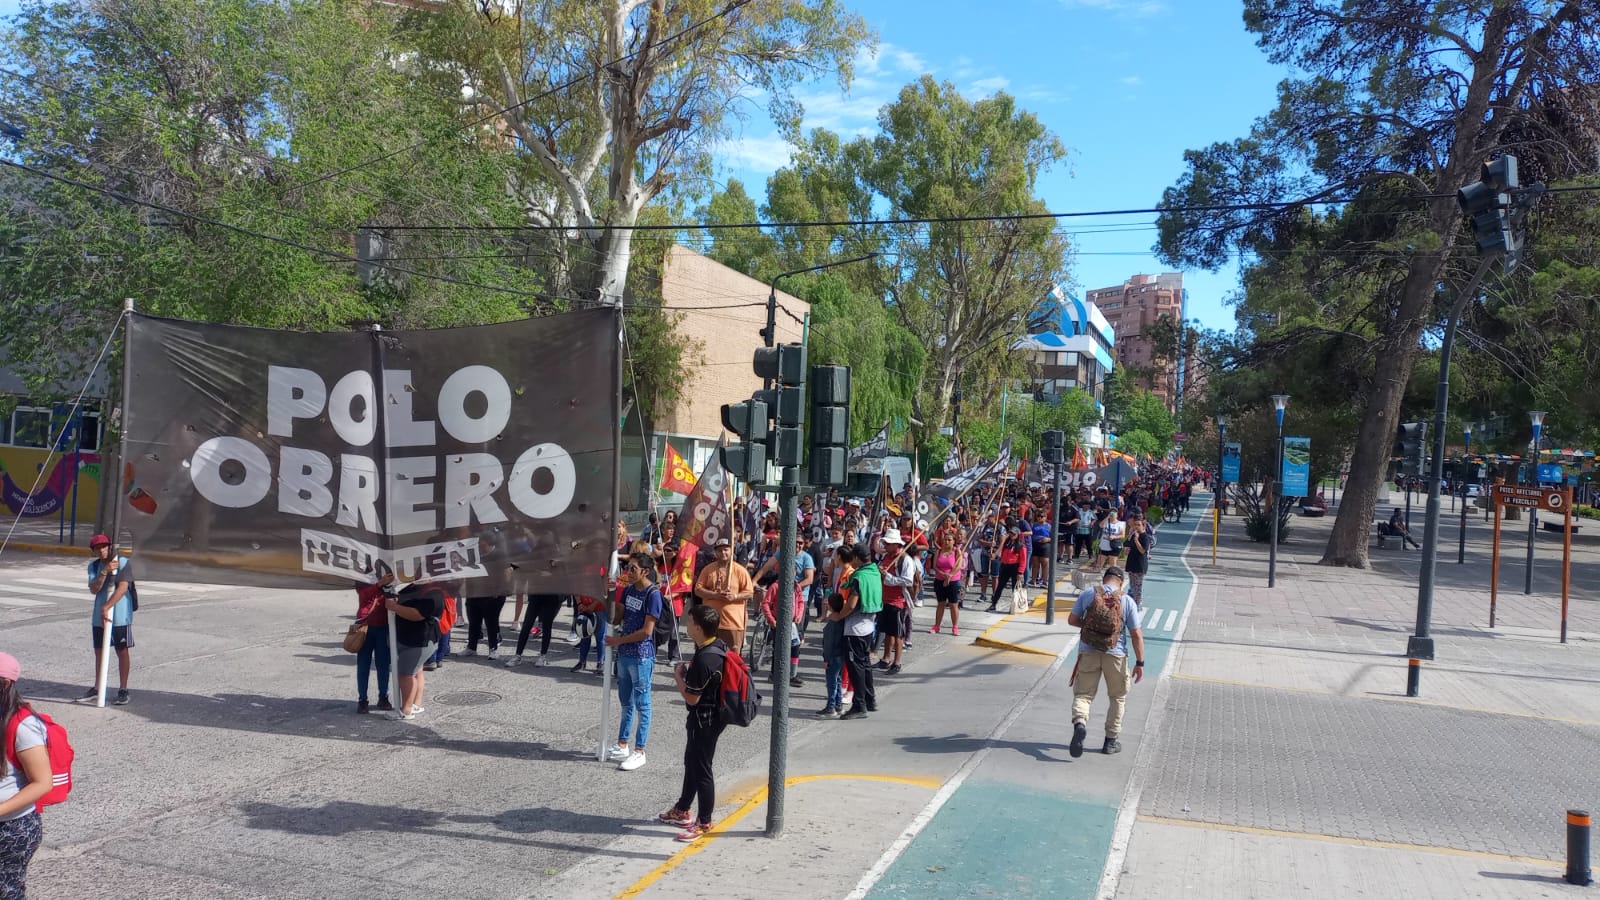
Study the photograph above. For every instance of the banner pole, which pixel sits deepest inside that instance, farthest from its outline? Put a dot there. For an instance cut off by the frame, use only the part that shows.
(118, 497)
(616, 516)
(378, 461)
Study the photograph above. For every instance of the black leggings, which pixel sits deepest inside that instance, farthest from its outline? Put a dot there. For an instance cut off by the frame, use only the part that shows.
(542, 608)
(483, 620)
(1082, 543)
(858, 663)
(669, 623)
(698, 754)
(1007, 580)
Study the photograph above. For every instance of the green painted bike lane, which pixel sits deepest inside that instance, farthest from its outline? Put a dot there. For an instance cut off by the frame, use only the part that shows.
(1029, 820)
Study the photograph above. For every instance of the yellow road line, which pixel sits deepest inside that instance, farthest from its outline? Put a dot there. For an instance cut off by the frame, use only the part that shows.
(749, 806)
(1395, 698)
(1339, 839)
(994, 644)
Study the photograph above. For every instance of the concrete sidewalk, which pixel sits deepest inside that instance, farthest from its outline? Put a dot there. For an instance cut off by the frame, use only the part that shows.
(1290, 761)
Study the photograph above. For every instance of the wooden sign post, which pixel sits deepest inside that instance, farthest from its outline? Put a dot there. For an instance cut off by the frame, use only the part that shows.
(1556, 500)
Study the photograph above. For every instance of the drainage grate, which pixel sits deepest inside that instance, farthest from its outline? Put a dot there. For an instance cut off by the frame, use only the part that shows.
(466, 698)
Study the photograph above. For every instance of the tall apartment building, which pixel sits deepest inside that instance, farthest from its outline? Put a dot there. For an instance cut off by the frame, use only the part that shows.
(1132, 308)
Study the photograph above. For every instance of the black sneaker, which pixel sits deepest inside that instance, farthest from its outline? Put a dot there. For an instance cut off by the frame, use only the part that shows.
(829, 712)
(797, 681)
(122, 698)
(872, 707)
(991, 608)
(361, 707)
(91, 694)
(1079, 732)
(1112, 746)
(893, 670)
(881, 664)
(855, 712)
(384, 705)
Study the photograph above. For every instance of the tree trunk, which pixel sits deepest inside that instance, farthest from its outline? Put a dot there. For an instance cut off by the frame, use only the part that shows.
(1347, 544)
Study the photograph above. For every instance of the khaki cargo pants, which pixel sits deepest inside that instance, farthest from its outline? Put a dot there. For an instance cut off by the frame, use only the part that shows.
(1092, 664)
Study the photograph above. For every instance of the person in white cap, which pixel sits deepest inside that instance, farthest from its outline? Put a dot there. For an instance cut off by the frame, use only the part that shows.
(899, 574)
(25, 777)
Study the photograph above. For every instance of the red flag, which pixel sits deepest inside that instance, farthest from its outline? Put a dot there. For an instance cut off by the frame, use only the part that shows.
(676, 476)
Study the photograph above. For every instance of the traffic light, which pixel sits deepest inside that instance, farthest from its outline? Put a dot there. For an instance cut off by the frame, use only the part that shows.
(830, 424)
(747, 461)
(786, 365)
(1488, 204)
(1412, 437)
(1053, 441)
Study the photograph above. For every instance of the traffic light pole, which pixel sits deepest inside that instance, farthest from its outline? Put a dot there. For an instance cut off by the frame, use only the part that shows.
(783, 613)
(1421, 644)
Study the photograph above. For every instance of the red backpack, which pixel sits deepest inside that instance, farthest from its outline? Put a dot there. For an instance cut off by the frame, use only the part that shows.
(740, 703)
(56, 744)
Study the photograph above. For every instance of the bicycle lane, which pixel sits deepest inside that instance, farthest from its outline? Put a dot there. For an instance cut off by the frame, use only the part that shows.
(1024, 818)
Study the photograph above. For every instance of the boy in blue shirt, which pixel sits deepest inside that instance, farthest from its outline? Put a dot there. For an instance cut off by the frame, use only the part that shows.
(833, 654)
(636, 657)
(111, 581)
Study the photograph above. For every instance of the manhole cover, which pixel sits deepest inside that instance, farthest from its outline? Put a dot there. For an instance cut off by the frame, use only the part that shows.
(467, 698)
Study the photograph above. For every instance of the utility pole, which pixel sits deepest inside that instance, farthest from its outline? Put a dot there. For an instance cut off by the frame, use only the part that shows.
(1497, 207)
(1054, 441)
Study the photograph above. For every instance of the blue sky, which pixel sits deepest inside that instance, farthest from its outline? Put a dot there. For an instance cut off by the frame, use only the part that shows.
(1127, 85)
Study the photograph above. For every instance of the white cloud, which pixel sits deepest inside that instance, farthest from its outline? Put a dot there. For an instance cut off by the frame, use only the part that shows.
(762, 154)
(887, 58)
(1136, 8)
(1132, 80)
(827, 109)
(987, 86)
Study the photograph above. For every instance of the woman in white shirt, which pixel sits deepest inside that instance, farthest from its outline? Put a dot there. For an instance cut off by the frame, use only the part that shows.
(1111, 540)
(24, 778)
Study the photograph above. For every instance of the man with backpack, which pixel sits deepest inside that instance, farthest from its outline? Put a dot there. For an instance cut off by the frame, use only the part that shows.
(701, 683)
(1108, 622)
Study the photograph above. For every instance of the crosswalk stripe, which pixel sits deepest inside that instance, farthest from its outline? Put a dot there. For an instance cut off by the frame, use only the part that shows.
(1172, 621)
(22, 602)
(28, 590)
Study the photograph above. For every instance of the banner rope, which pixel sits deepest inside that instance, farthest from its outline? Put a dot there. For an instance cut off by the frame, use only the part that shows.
(51, 450)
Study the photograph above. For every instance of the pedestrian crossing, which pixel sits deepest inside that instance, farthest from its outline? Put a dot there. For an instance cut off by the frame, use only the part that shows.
(51, 587)
(1152, 619)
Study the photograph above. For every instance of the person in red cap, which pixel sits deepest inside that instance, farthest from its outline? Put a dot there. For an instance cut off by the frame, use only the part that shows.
(111, 582)
(24, 778)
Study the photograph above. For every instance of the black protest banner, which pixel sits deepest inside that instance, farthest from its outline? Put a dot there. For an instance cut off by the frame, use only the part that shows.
(705, 517)
(956, 486)
(867, 458)
(480, 457)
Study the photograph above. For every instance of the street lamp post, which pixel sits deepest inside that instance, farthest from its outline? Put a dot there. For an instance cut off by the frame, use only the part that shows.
(1461, 476)
(1536, 417)
(1280, 402)
(1222, 486)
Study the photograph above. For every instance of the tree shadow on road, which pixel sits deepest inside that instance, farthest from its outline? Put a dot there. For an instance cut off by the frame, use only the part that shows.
(340, 818)
(963, 743)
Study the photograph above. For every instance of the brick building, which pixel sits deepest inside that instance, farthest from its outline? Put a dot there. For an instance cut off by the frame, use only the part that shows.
(1132, 308)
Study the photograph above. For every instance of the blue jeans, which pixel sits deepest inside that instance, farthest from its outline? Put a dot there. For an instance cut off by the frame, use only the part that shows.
(376, 648)
(835, 679)
(598, 639)
(444, 648)
(633, 691)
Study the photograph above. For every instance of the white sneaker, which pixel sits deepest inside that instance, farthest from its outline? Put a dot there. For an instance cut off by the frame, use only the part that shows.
(572, 637)
(635, 760)
(542, 661)
(417, 710)
(616, 753)
(469, 652)
(513, 661)
(494, 654)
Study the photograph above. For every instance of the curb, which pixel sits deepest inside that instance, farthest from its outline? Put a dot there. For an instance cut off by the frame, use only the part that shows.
(61, 549)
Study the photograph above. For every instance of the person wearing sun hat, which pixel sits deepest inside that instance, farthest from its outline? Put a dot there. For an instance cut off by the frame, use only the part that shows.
(24, 777)
(111, 582)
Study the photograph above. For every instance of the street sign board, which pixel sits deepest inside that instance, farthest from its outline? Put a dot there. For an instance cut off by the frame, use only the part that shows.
(1180, 437)
(1551, 499)
(1230, 461)
(1550, 473)
(1296, 475)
